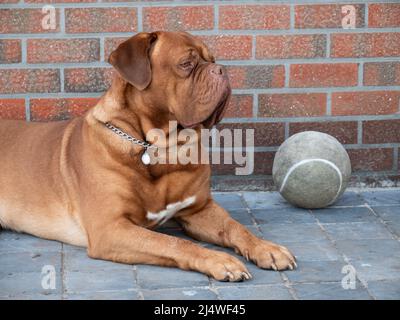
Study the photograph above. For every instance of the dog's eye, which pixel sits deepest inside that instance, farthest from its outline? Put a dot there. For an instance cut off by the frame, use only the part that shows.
(187, 65)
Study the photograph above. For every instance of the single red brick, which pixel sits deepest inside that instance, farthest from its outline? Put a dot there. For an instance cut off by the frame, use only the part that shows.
(365, 103)
(379, 159)
(292, 105)
(63, 50)
(382, 73)
(263, 162)
(240, 106)
(381, 131)
(10, 51)
(323, 75)
(178, 18)
(383, 15)
(325, 16)
(291, 46)
(228, 47)
(344, 131)
(265, 134)
(260, 76)
(25, 21)
(80, 20)
(88, 79)
(368, 45)
(59, 109)
(110, 44)
(29, 80)
(12, 109)
(254, 17)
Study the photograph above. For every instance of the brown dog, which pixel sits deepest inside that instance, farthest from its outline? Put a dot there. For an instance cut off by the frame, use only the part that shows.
(80, 183)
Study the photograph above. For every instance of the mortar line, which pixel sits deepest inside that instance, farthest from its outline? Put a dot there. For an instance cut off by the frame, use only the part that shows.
(359, 132)
(328, 46)
(180, 3)
(238, 32)
(27, 110)
(329, 104)
(360, 73)
(101, 48)
(139, 19)
(287, 131)
(62, 20)
(216, 17)
(254, 46)
(292, 17)
(24, 52)
(255, 105)
(396, 159)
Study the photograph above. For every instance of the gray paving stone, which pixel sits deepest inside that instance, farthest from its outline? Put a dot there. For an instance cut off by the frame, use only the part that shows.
(27, 284)
(17, 262)
(229, 201)
(342, 215)
(349, 198)
(34, 296)
(99, 280)
(385, 290)
(155, 277)
(298, 232)
(104, 295)
(265, 200)
(330, 291)
(282, 215)
(357, 231)
(382, 269)
(76, 259)
(20, 242)
(322, 250)
(180, 294)
(317, 271)
(368, 249)
(268, 292)
(391, 215)
(382, 197)
(241, 216)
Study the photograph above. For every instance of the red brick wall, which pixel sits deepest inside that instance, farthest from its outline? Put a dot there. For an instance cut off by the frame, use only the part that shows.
(293, 67)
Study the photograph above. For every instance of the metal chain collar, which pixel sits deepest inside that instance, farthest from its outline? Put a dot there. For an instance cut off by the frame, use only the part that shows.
(126, 136)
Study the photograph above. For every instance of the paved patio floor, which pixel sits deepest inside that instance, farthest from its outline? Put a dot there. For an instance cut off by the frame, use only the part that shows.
(348, 251)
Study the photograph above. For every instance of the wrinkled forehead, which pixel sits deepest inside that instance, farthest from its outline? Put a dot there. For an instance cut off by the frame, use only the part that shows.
(175, 45)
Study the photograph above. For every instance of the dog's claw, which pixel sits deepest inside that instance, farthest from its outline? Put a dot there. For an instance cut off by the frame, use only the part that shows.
(245, 276)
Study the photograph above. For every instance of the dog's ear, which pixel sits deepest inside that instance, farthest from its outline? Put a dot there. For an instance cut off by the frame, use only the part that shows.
(132, 59)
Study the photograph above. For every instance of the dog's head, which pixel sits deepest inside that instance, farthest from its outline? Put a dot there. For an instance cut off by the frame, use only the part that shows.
(175, 72)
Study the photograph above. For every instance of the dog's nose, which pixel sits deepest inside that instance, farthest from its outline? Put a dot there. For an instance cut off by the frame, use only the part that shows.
(217, 70)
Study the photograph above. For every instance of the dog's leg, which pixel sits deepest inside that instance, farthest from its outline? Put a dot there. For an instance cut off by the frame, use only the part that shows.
(127, 243)
(213, 224)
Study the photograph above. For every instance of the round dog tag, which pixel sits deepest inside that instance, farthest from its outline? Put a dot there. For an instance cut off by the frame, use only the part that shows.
(145, 158)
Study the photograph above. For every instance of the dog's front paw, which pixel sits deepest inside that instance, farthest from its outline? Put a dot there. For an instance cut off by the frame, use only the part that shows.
(224, 267)
(268, 255)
